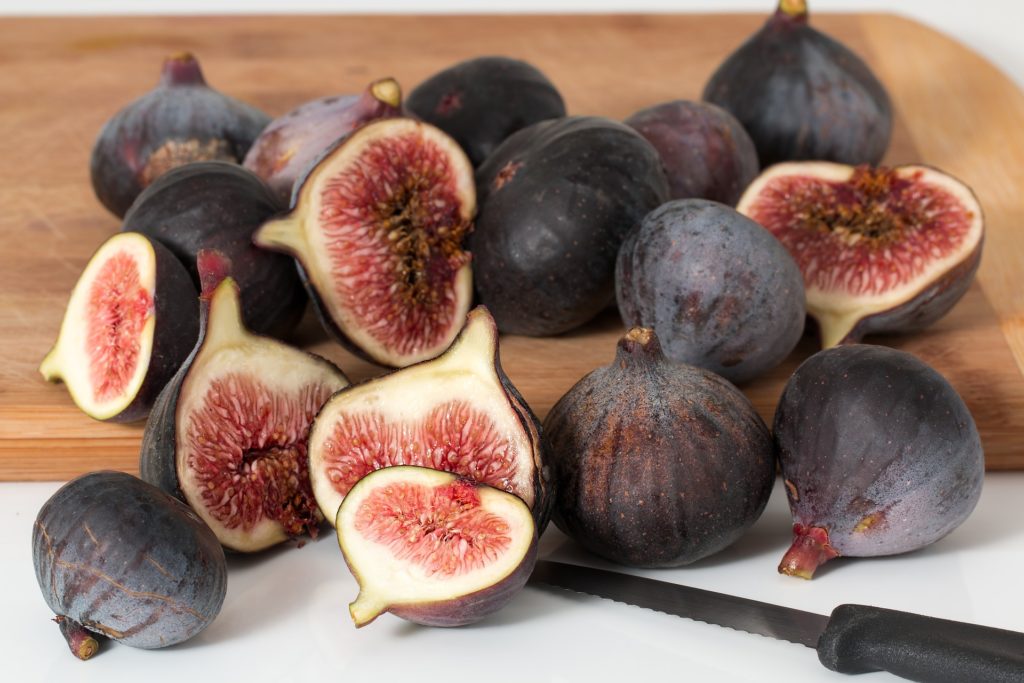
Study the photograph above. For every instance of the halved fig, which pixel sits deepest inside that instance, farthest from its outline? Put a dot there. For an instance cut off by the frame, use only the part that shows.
(129, 325)
(432, 547)
(881, 249)
(228, 433)
(377, 228)
(466, 418)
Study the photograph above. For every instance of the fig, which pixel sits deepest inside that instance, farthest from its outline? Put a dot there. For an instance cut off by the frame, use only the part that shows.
(706, 153)
(557, 199)
(228, 433)
(129, 325)
(467, 418)
(117, 557)
(482, 101)
(879, 454)
(432, 547)
(718, 289)
(292, 142)
(179, 121)
(803, 95)
(377, 228)
(881, 249)
(217, 205)
(657, 464)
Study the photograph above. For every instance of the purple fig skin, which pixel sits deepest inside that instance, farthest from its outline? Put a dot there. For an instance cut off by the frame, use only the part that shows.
(721, 292)
(181, 120)
(292, 142)
(706, 153)
(127, 561)
(878, 451)
(218, 205)
(802, 95)
(689, 461)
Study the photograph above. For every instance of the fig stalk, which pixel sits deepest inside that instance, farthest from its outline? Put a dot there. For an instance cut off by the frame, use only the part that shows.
(809, 551)
(181, 69)
(793, 9)
(82, 641)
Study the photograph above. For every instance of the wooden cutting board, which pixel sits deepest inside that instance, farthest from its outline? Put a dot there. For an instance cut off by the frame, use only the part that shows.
(62, 78)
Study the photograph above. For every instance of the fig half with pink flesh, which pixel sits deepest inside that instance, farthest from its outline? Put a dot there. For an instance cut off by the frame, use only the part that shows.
(228, 433)
(131, 321)
(457, 412)
(377, 228)
(432, 547)
(881, 249)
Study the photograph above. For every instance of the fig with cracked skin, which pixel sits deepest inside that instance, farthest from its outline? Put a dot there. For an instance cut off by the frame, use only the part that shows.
(467, 418)
(228, 434)
(803, 95)
(432, 547)
(129, 325)
(879, 455)
(218, 205)
(377, 229)
(179, 121)
(881, 249)
(292, 142)
(482, 101)
(115, 557)
(657, 464)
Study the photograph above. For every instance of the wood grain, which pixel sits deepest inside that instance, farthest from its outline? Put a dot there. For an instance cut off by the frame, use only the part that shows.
(61, 79)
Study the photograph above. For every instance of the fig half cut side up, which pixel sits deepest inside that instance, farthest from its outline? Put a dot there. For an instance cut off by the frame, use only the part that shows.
(228, 433)
(466, 418)
(377, 227)
(434, 548)
(881, 249)
(130, 323)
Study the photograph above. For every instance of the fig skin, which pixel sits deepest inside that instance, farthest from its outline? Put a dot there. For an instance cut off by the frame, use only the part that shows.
(127, 561)
(557, 199)
(720, 291)
(219, 205)
(803, 95)
(689, 460)
(179, 121)
(706, 153)
(879, 454)
(482, 101)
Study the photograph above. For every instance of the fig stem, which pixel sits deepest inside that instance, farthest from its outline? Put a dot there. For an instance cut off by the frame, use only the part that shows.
(181, 69)
(388, 91)
(638, 343)
(793, 8)
(835, 328)
(49, 368)
(365, 609)
(281, 234)
(809, 551)
(82, 642)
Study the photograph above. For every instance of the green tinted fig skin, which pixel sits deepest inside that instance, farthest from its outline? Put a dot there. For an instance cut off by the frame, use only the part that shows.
(482, 101)
(720, 291)
(802, 95)
(557, 199)
(869, 430)
(219, 205)
(689, 461)
(181, 108)
(105, 542)
(706, 153)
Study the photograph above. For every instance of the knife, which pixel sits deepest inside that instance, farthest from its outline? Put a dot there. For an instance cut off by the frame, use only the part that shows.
(853, 639)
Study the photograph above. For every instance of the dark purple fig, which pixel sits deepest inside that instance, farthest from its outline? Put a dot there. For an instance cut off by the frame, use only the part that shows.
(881, 249)
(129, 325)
(802, 95)
(217, 205)
(228, 434)
(879, 454)
(432, 547)
(291, 143)
(657, 464)
(117, 557)
(719, 290)
(467, 419)
(707, 154)
(557, 199)
(482, 101)
(179, 121)
(377, 228)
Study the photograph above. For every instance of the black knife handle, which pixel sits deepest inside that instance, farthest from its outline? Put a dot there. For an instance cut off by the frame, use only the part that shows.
(859, 639)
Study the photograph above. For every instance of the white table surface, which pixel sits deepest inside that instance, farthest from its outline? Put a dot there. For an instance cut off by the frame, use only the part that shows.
(286, 619)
